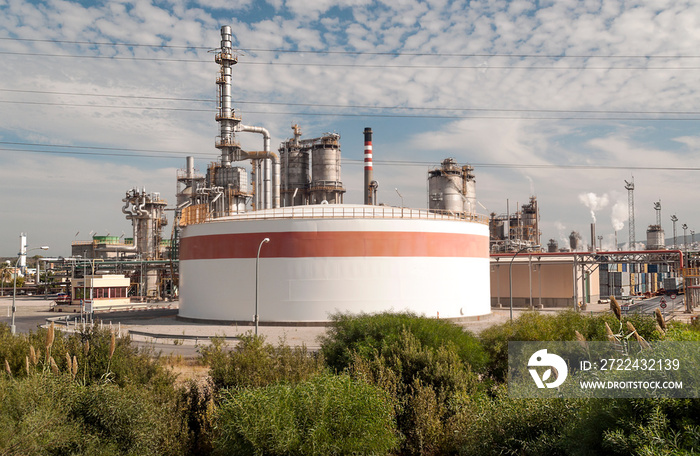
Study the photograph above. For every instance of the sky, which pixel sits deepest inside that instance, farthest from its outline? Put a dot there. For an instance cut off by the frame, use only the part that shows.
(563, 100)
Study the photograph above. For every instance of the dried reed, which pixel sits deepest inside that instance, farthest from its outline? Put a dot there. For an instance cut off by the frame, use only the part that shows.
(660, 319)
(615, 307)
(112, 345)
(49, 337)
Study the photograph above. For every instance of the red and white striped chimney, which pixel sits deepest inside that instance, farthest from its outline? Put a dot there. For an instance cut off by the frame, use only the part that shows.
(368, 165)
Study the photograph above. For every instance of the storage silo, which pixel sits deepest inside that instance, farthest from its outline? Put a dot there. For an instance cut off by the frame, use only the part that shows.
(655, 238)
(326, 186)
(452, 189)
(295, 171)
(323, 259)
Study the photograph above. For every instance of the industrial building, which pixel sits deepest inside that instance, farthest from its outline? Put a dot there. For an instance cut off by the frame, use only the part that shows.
(540, 280)
(511, 232)
(280, 240)
(299, 254)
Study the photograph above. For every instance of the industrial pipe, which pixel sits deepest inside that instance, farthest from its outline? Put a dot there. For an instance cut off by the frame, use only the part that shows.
(271, 197)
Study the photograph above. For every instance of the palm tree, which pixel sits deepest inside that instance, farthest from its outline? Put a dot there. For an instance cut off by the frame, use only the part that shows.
(4, 275)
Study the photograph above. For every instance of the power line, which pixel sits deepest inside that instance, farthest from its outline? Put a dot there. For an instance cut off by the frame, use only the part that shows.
(326, 105)
(72, 56)
(107, 95)
(104, 43)
(123, 149)
(358, 65)
(79, 105)
(347, 114)
(386, 53)
(150, 153)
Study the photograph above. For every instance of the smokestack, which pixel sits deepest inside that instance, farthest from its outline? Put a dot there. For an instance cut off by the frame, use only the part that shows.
(368, 166)
(593, 249)
(190, 167)
(23, 252)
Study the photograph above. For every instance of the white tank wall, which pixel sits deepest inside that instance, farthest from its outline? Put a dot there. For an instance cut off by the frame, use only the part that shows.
(312, 288)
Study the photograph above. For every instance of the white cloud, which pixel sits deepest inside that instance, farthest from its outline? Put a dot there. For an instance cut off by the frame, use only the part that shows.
(504, 85)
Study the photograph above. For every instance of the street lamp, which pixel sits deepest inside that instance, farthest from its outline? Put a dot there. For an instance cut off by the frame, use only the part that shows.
(692, 238)
(400, 195)
(510, 275)
(257, 273)
(13, 329)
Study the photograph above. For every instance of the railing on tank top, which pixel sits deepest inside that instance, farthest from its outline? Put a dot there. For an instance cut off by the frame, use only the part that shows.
(199, 214)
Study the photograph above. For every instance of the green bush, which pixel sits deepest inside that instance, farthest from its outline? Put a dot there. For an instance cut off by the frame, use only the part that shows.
(556, 326)
(48, 414)
(253, 362)
(197, 406)
(636, 426)
(326, 415)
(368, 335)
(422, 382)
(91, 348)
(503, 425)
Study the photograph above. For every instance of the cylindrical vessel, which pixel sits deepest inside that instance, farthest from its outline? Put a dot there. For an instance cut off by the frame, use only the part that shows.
(326, 186)
(325, 163)
(317, 265)
(452, 188)
(655, 238)
(295, 178)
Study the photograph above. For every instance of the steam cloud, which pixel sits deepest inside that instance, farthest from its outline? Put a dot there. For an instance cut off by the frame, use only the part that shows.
(594, 202)
(619, 215)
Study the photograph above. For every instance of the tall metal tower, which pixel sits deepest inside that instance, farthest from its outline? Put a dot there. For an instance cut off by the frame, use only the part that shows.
(630, 205)
(657, 208)
(685, 235)
(674, 219)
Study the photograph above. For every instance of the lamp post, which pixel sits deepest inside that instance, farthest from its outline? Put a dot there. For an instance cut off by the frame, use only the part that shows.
(257, 273)
(510, 275)
(13, 329)
(400, 196)
(692, 238)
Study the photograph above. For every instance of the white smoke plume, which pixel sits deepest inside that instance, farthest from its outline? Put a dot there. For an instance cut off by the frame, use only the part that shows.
(562, 234)
(619, 214)
(532, 185)
(594, 202)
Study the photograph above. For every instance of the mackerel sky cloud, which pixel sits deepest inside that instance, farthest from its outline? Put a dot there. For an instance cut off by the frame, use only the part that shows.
(562, 98)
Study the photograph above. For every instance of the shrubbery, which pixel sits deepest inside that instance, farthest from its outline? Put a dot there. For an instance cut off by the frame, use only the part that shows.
(253, 362)
(326, 415)
(381, 384)
(50, 414)
(60, 395)
(368, 335)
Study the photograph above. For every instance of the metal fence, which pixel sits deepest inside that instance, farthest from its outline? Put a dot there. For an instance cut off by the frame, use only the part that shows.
(198, 214)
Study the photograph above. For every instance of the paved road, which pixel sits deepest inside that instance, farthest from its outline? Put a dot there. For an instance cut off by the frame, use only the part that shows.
(648, 306)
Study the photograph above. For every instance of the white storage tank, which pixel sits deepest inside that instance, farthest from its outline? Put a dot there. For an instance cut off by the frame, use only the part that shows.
(334, 258)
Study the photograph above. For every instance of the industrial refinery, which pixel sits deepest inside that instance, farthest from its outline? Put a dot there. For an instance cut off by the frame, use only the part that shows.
(279, 235)
(292, 245)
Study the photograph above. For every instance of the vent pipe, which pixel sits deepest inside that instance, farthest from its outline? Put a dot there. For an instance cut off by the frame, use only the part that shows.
(368, 166)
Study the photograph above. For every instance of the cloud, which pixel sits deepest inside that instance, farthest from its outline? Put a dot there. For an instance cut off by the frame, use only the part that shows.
(593, 202)
(497, 107)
